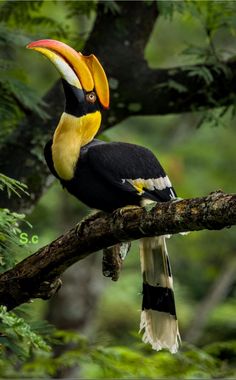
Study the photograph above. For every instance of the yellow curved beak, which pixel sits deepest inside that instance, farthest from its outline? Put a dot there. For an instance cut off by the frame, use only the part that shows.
(85, 72)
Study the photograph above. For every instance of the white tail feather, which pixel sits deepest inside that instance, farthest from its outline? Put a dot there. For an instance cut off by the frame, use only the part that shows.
(160, 330)
(160, 327)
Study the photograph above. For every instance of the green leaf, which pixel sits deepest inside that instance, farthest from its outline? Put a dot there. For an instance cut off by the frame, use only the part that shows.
(19, 329)
(12, 185)
(111, 6)
(202, 72)
(75, 8)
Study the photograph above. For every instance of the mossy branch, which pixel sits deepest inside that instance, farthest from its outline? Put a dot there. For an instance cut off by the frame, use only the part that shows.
(38, 275)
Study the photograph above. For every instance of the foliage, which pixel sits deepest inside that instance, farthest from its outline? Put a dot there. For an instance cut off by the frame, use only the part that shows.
(108, 362)
(123, 362)
(111, 6)
(168, 8)
(213, 17)
(75, 8)
(9, 237)
(18, 340)
(26, 15)
(10, 224)
(16, 96)
(17, 336)
(12, 185)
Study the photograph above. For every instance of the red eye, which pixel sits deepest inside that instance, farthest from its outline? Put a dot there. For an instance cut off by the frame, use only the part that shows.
(91, 97)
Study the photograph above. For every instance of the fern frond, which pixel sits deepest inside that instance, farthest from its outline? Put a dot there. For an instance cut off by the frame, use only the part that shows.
(12, 185)
(17, 332)
(25, 16)
(76, 8)
(26, 98)
(10, 238)
(12, 37)
(19, 11)
(51, 26)
(16, 96)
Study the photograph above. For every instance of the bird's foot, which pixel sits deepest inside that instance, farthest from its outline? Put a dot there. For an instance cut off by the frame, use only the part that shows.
(123, 210)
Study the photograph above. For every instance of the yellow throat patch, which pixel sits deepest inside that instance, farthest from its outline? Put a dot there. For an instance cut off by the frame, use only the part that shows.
(70, 135)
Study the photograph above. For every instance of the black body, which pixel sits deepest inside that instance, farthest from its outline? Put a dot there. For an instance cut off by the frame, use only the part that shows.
(101, 173)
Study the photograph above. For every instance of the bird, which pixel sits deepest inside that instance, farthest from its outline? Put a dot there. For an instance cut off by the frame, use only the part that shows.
(111, 175)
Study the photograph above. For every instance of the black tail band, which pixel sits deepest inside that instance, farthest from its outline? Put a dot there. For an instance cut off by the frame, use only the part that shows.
(158, 298)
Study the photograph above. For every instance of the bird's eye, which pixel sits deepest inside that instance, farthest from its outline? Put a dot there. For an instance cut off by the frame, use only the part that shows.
(91, 97)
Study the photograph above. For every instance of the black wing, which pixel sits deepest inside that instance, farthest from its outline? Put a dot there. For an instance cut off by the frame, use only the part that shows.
(132, 168)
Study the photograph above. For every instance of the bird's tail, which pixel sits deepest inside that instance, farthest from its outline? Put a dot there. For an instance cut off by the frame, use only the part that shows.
(158, 317)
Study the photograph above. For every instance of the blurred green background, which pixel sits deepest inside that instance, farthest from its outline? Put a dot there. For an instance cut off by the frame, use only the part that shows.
(198, 160)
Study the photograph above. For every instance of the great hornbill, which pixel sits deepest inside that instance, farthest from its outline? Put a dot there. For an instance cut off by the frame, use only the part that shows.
(108, 176)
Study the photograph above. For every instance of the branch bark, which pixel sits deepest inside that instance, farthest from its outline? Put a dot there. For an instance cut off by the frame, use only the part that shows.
(37, 275)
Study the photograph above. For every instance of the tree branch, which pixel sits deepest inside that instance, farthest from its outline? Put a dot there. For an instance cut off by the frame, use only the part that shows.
(168, 91)
(37, 275)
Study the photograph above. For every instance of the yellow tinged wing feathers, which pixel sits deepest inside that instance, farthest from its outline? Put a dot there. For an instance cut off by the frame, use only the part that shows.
(138, 184)
(151, 184)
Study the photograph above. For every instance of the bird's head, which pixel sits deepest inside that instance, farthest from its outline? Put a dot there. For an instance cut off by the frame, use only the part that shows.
(86, 91)
(84, 80)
